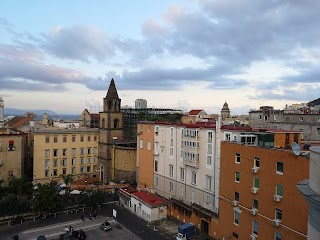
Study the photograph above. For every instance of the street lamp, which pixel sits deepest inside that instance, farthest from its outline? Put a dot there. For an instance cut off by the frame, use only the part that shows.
(99, 209)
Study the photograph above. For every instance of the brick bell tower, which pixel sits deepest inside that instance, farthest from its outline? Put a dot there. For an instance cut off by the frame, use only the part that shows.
(110, 131)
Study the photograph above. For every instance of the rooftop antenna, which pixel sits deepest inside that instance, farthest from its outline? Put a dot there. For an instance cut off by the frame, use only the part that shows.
(295, 148)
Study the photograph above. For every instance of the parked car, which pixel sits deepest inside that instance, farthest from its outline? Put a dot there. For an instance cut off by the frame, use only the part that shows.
(106, 226)
(79, 234)
(67, 236)
(41, 238)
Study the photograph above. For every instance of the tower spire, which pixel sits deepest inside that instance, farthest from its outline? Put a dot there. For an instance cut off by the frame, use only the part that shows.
(112, 91)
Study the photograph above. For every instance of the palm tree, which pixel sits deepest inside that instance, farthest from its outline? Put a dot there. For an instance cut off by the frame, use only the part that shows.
(67, 179)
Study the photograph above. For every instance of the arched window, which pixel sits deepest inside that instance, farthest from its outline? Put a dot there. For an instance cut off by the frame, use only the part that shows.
(109, 105)
(116, 123)
(103, 124)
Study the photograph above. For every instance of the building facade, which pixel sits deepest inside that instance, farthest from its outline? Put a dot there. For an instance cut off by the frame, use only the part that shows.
(258, 196)
(310, 190)
(65, 151)
(13, 156)
(140, 103)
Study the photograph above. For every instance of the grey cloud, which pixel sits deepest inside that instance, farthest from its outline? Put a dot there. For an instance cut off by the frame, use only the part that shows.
(166, 79)
(307, 76)
(79, 43)
(9, 84)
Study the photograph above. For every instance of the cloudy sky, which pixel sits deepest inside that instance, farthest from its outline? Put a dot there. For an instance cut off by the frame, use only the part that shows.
(61, 55)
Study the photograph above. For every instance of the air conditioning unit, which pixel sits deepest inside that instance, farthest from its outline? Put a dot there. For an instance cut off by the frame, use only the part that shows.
(253, 237)
(255, 170)
(276, 222)
(253, 211)
(277, 198)
(235, 203)
(254, 190)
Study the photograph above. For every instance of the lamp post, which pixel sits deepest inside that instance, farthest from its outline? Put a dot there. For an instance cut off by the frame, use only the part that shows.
(99, 209)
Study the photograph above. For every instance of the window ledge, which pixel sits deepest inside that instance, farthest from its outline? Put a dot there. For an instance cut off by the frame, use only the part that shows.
(279, 173)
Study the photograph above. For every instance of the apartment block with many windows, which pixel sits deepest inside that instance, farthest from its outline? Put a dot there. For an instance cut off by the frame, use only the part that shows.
(258, 194)
(65, 151)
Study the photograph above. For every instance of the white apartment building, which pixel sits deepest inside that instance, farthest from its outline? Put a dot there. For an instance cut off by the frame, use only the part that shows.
(187, 163)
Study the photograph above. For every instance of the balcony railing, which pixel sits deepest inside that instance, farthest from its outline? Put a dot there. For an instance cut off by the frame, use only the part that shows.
(191, 163)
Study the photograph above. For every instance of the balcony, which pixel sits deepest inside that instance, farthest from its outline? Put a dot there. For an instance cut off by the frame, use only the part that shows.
(191, 163)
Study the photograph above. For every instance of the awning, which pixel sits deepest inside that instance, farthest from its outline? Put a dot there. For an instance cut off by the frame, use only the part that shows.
(75, 192)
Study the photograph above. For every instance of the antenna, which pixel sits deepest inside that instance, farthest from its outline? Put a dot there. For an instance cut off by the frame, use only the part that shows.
(295, 148)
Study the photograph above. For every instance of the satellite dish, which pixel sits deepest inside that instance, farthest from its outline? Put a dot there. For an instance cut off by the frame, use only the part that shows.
(295, 148)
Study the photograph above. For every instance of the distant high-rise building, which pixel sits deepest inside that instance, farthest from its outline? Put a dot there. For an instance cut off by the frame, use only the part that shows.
(140, 103)
(1, 113)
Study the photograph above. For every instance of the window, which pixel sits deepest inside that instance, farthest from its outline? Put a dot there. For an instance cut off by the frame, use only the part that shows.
(300, 119)
(73, 138)
(236, 196)
(181, 190)
(81, 161)
(47, 139)
(55, 139)
(256, 182)
(209, 160)
(55, 152)
(155, 181)
(209, 182)
(171, 170)
(235, 235)
(171, 151)
(95, 150)
(55, 163)
(237, 177)
(210, 137)
(193, 178)
(280, 168)
(73, 170)
(170, 186)
(89, 150)
(73, 161)
(141, 143)
(255, 204)
(95, 159)
(277, 236)
(64, 139)
(256, 162)
(46, 164)
(255, 227)
(279, 190)
(228, 137)
(193, 196)
(46, 173)
(88, 169)
(55, 172)
(95, 138)
(81, 169)
(81, 151)
(149, 145)
(236, 218)
(156, 166)
(73, 151)
(64, 171)
(182, 174)
(88, 160)
(64, 162)
(81, 138)
(237, 157)
(89, 138)
(171, 132)
(64, 152)
(47, 153)
(149, 128)
(278, 213)
(265, 118)
(208, 198)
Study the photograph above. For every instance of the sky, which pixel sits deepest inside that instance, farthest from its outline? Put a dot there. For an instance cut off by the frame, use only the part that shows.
(188, 54)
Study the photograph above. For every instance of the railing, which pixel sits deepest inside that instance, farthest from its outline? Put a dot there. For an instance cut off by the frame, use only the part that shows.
(192, 163)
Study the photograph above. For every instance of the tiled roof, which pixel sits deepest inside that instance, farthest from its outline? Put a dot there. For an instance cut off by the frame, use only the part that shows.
(195, 112)
(18, 121)
(95, 115)
(149, 198)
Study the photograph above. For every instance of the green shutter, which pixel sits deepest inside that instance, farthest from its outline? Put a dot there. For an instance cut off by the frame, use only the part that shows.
(256, 182)
(279, 190)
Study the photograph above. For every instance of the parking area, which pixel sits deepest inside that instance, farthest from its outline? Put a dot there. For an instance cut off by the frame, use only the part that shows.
(90, 227)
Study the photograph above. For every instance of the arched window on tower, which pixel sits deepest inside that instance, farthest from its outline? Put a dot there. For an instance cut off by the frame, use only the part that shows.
(103, 124)
(116, 123)
(110, 105)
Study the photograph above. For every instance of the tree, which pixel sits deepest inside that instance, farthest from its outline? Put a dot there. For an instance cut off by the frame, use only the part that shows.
(46, 199)
(93, 199)
(20, 186)
(67, 179)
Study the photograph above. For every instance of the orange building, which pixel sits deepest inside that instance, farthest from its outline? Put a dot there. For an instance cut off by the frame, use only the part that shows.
(258, 194)
(145, 151)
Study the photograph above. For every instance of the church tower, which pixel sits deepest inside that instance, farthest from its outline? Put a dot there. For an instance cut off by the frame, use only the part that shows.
(110, 131)
(225, 111)
(1, 113)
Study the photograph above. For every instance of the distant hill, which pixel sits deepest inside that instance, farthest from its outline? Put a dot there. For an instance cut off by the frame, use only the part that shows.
(19, 112)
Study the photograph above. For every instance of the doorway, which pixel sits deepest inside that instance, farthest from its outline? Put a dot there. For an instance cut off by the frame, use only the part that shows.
(204, 227)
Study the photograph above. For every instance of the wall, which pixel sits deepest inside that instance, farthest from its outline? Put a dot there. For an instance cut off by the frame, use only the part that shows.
(125, 163)
(296, 168)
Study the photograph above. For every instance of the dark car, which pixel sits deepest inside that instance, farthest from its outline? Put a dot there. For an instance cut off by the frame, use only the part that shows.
(105, 226)
(67, 236)
(79, 234)
(41, 238)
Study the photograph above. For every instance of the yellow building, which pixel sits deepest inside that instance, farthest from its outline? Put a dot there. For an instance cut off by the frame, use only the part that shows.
(13, 158)
(65, 151)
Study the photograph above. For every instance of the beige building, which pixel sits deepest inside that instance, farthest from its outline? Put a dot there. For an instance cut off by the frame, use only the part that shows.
(13, 156)
(65, 151)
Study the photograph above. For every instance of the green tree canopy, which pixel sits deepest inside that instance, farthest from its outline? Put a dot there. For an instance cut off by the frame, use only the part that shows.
(45, 199)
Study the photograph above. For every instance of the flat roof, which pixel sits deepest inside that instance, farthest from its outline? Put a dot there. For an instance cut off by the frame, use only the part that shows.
(149, 198)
